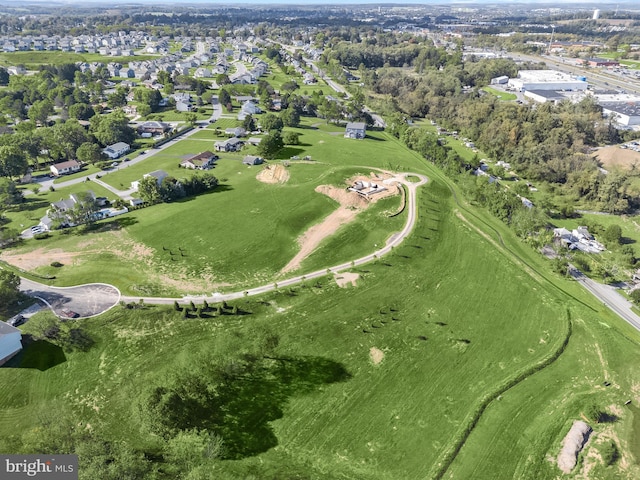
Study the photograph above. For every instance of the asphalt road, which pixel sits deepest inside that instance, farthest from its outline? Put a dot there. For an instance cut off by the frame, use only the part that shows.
(608, 296)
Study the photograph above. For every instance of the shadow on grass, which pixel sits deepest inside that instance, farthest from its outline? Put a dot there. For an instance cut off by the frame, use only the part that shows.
(38, 354)
(30, 204)
(288, 152)
(239, 399)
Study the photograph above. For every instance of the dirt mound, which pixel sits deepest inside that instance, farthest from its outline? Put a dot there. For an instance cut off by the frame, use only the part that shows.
(616, 157)
(351, 203)
(342, 196)
(346, 278)
(273, 174)
(572, 444)
(376, 355)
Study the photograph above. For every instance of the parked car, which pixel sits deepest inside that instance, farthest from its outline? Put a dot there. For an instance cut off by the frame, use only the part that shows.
(69, 313)
(17, 321)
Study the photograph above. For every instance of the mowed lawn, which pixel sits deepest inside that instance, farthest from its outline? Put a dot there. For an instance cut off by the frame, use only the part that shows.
(452, 315)
(240, 235)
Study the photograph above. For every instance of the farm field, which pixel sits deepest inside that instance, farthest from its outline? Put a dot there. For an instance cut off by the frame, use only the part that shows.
(399, 418)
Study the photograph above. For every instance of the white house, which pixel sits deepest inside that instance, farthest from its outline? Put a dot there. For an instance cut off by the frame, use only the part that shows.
(116, 150)
(9, 342)
(355, 130)
(201, 161)
(64, 168)
(159, 175)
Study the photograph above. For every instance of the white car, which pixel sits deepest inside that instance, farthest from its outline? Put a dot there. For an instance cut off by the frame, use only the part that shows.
(37, 229)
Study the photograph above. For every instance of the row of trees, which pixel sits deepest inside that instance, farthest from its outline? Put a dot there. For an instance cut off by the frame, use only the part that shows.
(171, 189)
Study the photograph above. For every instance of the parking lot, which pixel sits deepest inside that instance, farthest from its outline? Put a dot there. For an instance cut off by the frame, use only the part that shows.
(73, 302)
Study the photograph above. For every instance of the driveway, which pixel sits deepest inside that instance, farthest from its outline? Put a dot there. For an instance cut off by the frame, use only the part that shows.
(86, 300)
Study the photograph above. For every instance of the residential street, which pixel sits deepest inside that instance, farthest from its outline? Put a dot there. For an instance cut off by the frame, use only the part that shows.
(608, 296)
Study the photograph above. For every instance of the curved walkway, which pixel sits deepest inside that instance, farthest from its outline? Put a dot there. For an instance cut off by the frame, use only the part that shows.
(393, 241)
(93, 299)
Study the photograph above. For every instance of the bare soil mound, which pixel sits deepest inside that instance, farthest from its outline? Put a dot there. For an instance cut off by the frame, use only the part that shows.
(376, 355)
(572, 445)
(616, 157)
(273, 174)
(346, 278)
(351, 204)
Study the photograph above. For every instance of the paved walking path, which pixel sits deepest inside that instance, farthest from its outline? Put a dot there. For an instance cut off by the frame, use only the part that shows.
(78, 297)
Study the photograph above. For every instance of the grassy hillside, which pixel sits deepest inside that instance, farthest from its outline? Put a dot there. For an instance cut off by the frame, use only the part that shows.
(459, 322)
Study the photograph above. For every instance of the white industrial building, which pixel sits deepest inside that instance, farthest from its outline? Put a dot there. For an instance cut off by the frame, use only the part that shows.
(543, 96)
(546, 80)
(9, 341)
(627, 114)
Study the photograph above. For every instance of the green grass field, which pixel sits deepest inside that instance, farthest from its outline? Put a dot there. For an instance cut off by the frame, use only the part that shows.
(500, 94)
(231, 254)
(471, 314)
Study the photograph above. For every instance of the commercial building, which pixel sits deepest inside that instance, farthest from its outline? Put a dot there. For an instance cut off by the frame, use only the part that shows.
(546, 80)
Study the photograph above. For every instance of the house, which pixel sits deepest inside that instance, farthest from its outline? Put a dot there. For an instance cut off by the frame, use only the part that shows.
(355, 130)
(252, 160)
(62, 206)
(159, 175)
(153, 127)
(10, 343)
(231, 145)
(236, 132)
(116, 150)
(65, 168)
(201, 161)
(255, 141)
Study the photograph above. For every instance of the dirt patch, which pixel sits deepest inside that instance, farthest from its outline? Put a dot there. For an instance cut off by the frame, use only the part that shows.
(273, 174)
(351, 204)
(616, 157)
(40, 257)
(346, 278)
(376, 355)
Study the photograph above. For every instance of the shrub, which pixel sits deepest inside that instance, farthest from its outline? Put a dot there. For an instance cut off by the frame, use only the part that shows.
(41, 236)
(609, 452)
(56, 264)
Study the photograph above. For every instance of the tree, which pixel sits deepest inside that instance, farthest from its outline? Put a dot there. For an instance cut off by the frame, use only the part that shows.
(112, 128)
(271, 121)
(191, 118)
(9, 287)
(291, 117)
(40, 111)
(223, 79)
(224, 97)
(249, 123)
(270, 145)
(117, 98)
(4, 76)
(612, 235)
(291, 138)
(149, 190)
(89, 153)
(81, 111)
(593, 413)
(13, 162)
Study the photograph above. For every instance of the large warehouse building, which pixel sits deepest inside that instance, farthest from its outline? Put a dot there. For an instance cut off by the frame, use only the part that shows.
(546, 80)
(627, 114)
